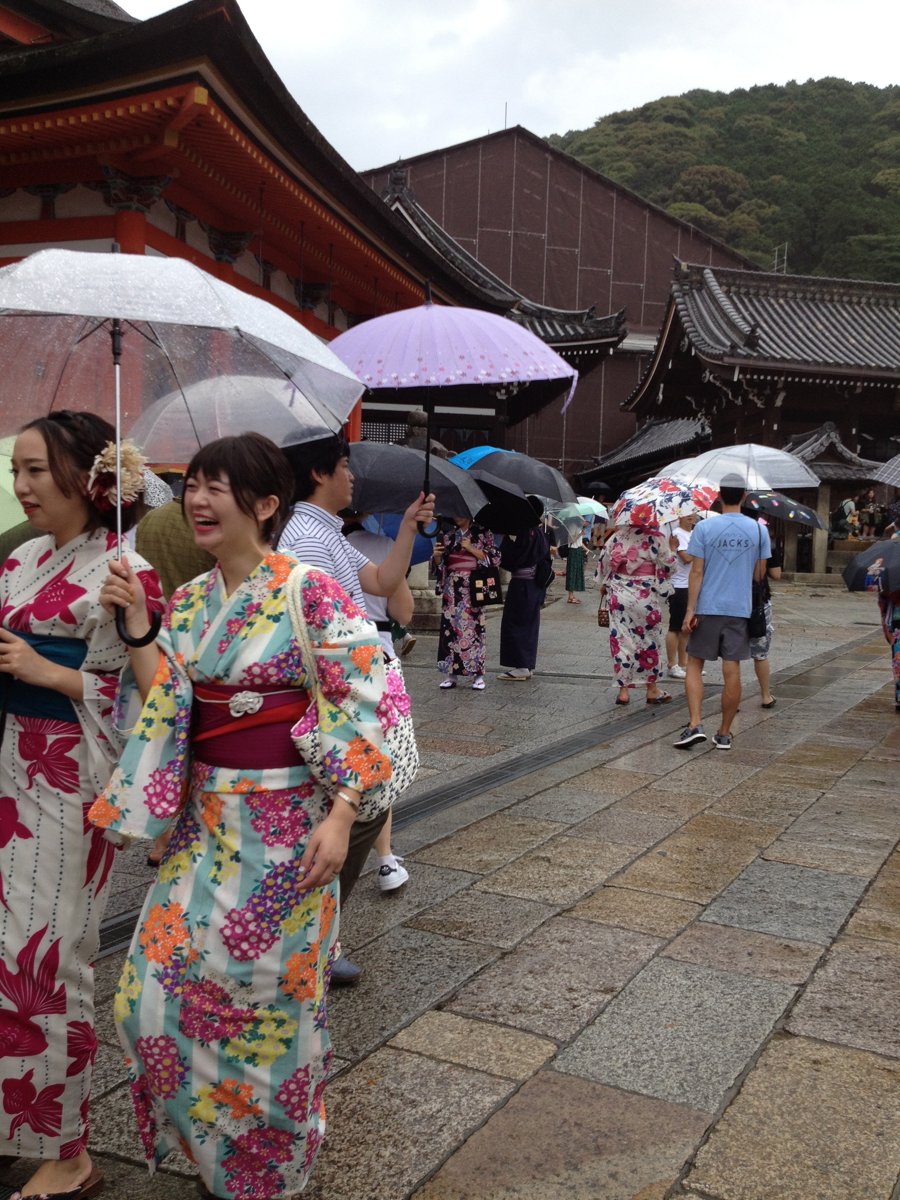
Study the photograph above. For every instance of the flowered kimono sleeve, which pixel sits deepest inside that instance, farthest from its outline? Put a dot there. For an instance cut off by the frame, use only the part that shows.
(350, 679)
(147, 788)
(485, 541)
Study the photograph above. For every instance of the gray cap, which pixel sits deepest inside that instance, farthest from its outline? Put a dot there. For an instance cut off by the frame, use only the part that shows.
(733, 480)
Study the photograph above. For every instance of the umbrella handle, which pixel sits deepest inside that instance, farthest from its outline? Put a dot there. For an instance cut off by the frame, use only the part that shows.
(149, 636)
(420, 525)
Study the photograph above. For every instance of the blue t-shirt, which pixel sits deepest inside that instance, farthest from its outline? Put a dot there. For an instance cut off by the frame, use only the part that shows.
(730, 546)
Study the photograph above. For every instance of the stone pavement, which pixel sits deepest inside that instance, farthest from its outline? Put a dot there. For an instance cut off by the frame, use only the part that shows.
(619, 971)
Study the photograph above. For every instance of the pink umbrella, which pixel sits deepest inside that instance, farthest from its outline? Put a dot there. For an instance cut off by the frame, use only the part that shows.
(437, 346)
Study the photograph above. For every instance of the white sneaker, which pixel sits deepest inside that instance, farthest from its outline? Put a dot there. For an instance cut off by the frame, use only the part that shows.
(391, 875)
(677, 672)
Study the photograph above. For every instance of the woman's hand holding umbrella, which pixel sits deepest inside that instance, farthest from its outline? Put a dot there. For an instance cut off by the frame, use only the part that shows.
(123, 592)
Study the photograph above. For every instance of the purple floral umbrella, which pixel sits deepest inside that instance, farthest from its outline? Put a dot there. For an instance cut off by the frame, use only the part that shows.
(437, 346)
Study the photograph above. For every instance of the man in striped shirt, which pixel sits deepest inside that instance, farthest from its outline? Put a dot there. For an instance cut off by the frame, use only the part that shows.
(324, 488)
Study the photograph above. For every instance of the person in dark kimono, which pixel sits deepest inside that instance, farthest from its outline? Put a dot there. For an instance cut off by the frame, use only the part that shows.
(526, 556)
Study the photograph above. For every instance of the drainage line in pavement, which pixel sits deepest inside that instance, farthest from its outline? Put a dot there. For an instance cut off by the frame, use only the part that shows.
(115, 933)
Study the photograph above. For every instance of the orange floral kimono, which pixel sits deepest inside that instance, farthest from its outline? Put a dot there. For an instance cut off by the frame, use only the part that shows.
(221, 1004)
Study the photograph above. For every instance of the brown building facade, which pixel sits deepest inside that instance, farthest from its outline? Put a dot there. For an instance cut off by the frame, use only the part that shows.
(566, 237)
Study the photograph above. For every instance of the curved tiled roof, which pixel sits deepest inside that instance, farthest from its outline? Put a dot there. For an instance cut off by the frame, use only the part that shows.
(553, 325)
(789, 321)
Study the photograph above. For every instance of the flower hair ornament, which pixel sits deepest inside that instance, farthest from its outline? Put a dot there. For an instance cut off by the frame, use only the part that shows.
(101, 485)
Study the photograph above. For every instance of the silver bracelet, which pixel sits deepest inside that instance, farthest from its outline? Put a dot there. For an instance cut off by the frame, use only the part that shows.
(348, 799)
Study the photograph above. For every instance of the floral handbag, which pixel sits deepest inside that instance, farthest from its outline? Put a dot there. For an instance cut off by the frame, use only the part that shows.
(399, 739)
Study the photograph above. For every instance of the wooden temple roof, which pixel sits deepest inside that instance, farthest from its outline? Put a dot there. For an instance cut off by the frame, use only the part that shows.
(190, 98)
(39, 22)
(824, 451)
(760, 325)
(559, 327)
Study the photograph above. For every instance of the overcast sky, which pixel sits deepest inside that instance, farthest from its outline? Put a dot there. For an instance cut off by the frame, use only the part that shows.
(384, 79)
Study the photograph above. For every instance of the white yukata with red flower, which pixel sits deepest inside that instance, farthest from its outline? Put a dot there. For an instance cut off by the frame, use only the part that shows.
(54, 866)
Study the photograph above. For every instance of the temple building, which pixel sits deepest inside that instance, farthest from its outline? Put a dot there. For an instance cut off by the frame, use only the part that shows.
(806, 364)
(540, 222)
(764, 358)
(175, 136)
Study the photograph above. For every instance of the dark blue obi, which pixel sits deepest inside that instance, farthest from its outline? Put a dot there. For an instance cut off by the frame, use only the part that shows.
(27, 700)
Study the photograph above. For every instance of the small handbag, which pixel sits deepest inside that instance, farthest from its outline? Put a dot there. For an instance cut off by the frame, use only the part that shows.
(756, 622)
(484, 587)
(603, 618)
(399, 741)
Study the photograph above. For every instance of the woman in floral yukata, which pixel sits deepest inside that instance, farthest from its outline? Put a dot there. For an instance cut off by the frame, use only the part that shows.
(633, 573)
(461, 649)
(60, 658)
(221, 1004)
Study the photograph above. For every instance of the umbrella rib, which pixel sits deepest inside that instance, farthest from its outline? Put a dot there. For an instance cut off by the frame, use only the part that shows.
(90, 326)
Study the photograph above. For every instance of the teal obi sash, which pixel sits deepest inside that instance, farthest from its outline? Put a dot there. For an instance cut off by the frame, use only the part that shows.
(28, 700)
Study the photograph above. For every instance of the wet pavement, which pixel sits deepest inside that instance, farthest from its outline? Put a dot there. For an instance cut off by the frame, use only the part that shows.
(619, 971)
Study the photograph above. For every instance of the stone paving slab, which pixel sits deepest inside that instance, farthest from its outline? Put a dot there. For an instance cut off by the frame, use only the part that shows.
(609, 781)
(744, 952)
(563, 803)
(772, 805)
(850, 818)
(560, 1138)
(371, 913)
(660, 916)
(392, 1118)
(840, 860)
(557, 979)
(683, 805)
(703, 857)
(476, 916)
(481, 1045)
(627, 826)
(654, 1038)
(706, 773)
(560, 871)
(854, 997)
(811, 1122)
(800, 903)
(488, 844)
(405, 972)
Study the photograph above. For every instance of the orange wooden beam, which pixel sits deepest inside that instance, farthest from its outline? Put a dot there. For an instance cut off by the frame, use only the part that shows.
(19, 29)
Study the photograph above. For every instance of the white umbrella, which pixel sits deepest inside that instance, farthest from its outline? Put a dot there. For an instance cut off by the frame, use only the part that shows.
(75, 327)
(760, 467)
(173, 428)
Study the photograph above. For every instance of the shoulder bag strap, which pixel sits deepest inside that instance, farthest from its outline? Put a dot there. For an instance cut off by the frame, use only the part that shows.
(294, 595)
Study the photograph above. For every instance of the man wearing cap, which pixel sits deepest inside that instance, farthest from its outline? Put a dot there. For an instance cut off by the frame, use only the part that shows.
(728, 552)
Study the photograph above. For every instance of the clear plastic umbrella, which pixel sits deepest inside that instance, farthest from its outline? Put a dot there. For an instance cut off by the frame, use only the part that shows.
(114, 332)
(761, 467)
(173, 428)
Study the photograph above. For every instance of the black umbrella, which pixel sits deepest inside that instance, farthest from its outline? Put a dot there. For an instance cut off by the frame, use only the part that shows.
(875, 569)
(509, 509)
(388, 478)
(776, 504)
(534, 477)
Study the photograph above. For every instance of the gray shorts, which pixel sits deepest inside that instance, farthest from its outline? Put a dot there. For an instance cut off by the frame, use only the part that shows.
(720, 637)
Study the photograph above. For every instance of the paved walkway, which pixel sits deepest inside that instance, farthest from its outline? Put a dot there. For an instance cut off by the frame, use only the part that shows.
(624, 972)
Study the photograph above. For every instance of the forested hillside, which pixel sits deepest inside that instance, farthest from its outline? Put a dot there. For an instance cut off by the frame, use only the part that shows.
(815, 165)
